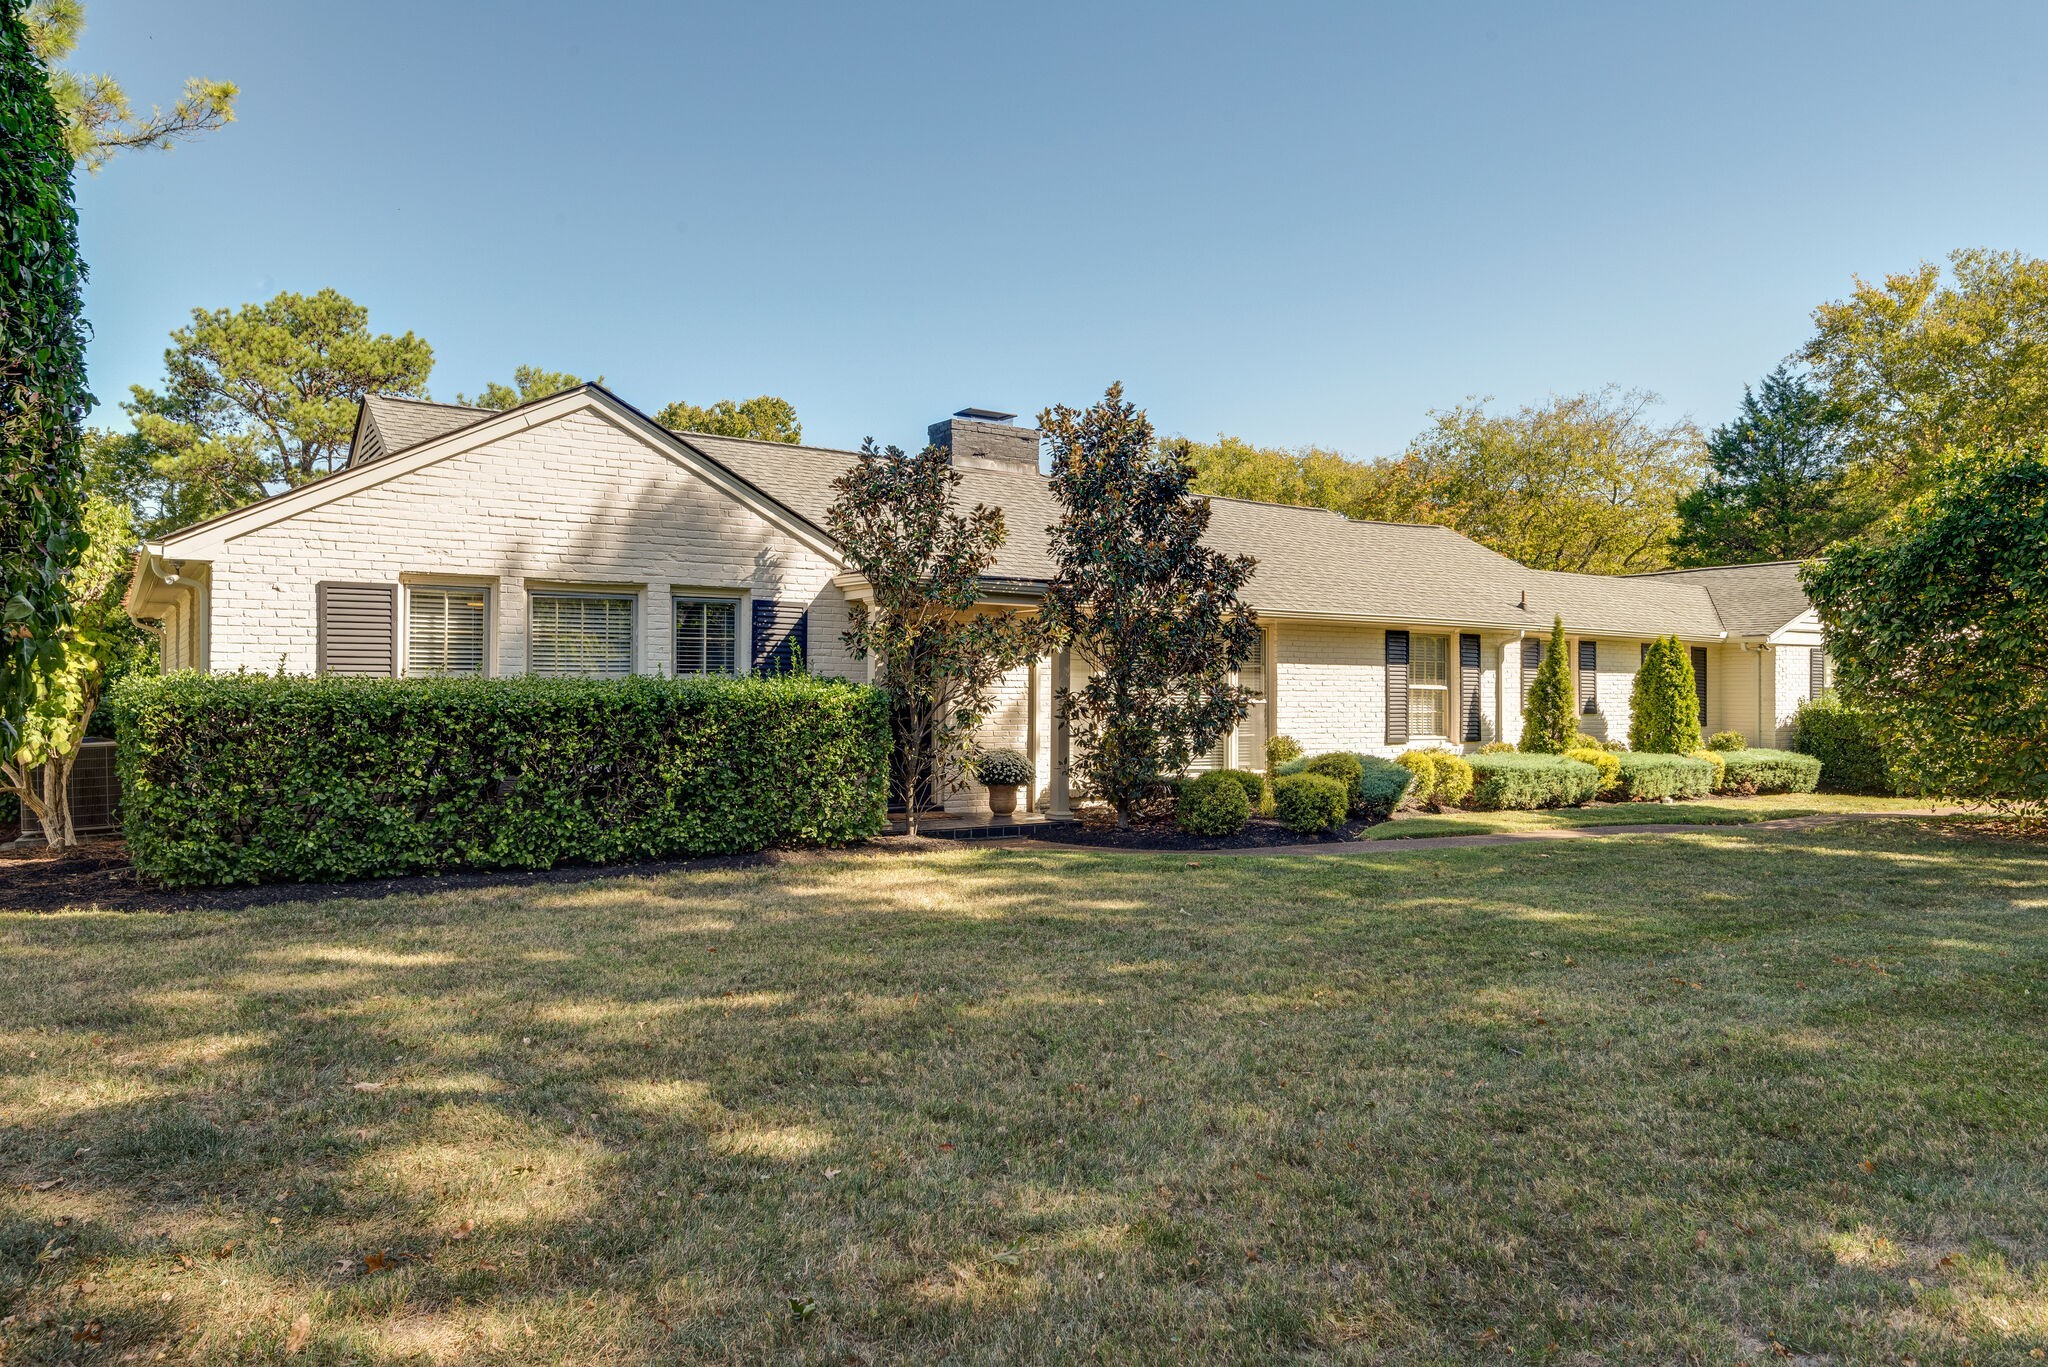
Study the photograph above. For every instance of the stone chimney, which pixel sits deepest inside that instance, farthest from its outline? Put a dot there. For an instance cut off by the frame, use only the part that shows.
(983, 439)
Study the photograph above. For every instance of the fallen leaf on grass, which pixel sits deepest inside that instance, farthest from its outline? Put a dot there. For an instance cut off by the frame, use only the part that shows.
(376, 1262)
(464, 1230)
(370, 1086)
(295, 1337)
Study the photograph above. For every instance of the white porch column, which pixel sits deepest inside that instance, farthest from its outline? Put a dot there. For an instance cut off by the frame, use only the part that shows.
(1058, 800)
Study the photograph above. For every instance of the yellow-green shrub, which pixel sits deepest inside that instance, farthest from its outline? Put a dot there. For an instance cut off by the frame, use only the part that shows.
(1606, 761)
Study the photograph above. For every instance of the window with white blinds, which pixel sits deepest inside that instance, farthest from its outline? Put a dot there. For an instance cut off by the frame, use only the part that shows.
(579, 635)
(707, 636)
(444, 632)
(1429, 686)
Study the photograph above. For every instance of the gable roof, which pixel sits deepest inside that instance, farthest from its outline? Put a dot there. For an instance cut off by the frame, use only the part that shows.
(386, 425)
(1752, 600)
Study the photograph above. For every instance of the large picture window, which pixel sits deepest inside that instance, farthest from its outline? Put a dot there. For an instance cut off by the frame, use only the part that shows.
(580, 635)
(445, 632)
(1429, 686)
(707, 636)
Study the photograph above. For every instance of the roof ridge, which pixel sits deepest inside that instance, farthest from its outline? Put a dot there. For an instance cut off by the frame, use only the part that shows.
(432, 403)
(1708, 569)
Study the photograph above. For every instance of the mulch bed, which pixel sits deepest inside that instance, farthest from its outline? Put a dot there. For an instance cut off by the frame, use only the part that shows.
(1159, 833)
(97, 875)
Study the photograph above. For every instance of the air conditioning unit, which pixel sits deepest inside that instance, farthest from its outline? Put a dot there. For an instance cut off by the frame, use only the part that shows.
(95, 794)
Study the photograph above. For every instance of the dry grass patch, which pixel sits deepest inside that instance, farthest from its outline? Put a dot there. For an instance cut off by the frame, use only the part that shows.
(1685, 1098)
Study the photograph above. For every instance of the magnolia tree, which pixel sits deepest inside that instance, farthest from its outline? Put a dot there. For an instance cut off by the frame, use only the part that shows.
(1938, 630)
(897, 519)
(97, 637)
(1137, 592)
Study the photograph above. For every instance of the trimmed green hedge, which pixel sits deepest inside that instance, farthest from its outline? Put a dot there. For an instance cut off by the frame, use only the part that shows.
(1522, 782)
(1309, 803)
(1376, 786)
(1845, 742)
(252, 779)
(1647, 776)
(1214, 804)
(1770, 771)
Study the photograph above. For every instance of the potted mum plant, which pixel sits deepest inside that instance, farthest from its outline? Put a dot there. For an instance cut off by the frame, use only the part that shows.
(1003, 771)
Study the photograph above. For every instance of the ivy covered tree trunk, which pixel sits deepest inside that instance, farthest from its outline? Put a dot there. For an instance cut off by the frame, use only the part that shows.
(1140, 595)
(43, 399)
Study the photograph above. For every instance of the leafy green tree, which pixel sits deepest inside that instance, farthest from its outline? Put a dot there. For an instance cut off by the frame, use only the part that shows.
(43, 398)
(1152, 608)
(98, 118)
(1774, 487)
(765, 418)
(1918, 366)
(1550, 719)
(1584, 483)
(1937, 628)
(1664, 708)
(1306, 478)
(264, 397)
(528, 383)
(95, 645)
(897, 518)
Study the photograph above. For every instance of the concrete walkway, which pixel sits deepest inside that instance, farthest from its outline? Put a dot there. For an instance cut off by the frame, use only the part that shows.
(1394, 844)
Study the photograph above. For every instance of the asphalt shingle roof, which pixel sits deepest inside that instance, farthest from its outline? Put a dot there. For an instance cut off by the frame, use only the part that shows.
(1311, 561)
(393, 425)
(1752, 600)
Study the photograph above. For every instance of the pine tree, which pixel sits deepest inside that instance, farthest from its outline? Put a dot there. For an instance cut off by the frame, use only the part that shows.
(1664, 708)
(1550, 721)
(43, 400)
(1138, 593)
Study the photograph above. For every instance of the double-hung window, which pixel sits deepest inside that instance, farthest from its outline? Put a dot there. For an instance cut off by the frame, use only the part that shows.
(1429, 686)
(580, 635)
(445, 631)
(707, 636)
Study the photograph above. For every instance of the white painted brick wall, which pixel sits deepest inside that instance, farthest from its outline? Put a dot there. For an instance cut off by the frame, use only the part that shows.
(575, 501)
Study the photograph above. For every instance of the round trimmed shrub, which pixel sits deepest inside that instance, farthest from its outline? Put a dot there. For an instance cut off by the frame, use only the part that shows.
(1254, 785)
(1606, 761)
(1497, 747)
(1280, 749)
(1343, 766)
(1422, 764)
(1526, 782)
(1310, 803)
(1714, 758)
(1724, 741)
(1771, 771)
(1453, 778)
(1214, 804)
(1002, 768)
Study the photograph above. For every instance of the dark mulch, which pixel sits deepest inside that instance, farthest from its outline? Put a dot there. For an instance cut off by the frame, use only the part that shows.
(1159, 833)
(98, 875)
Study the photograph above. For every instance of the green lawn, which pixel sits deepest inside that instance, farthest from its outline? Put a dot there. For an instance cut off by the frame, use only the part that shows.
(1720, 811)
(1683, 1098)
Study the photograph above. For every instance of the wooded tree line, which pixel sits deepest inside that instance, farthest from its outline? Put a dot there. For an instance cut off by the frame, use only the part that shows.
(1848, 428)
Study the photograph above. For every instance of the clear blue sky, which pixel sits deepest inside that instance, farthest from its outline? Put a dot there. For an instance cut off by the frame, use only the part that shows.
(1293, 223)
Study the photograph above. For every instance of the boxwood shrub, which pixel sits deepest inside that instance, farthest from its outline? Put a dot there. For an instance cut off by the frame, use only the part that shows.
(1607, 762)
(250, 779)
(1214, 804)
(1647, 776)
(1376, 786)
(1845, 742)
(1310, 803)
(1771, 771)
(1515, 781)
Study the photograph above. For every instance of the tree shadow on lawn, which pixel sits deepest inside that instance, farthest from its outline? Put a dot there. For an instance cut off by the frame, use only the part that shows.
(1668, 1096)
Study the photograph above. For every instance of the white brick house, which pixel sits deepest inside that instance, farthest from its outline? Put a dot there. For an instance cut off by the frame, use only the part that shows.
(573, 535)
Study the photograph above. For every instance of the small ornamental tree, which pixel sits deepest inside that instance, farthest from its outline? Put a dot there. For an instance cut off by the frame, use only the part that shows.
(1137, 592)
(1550, 721)
(43, 399)
(1938, 630)
(896, 519)
(1664, 708)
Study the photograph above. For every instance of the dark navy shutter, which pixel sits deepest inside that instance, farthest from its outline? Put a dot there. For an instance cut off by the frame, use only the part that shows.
(1468, 685)
(1532, 659)
(1397, 688)
(1699, 679)
(1589, 677)
(781, 636)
